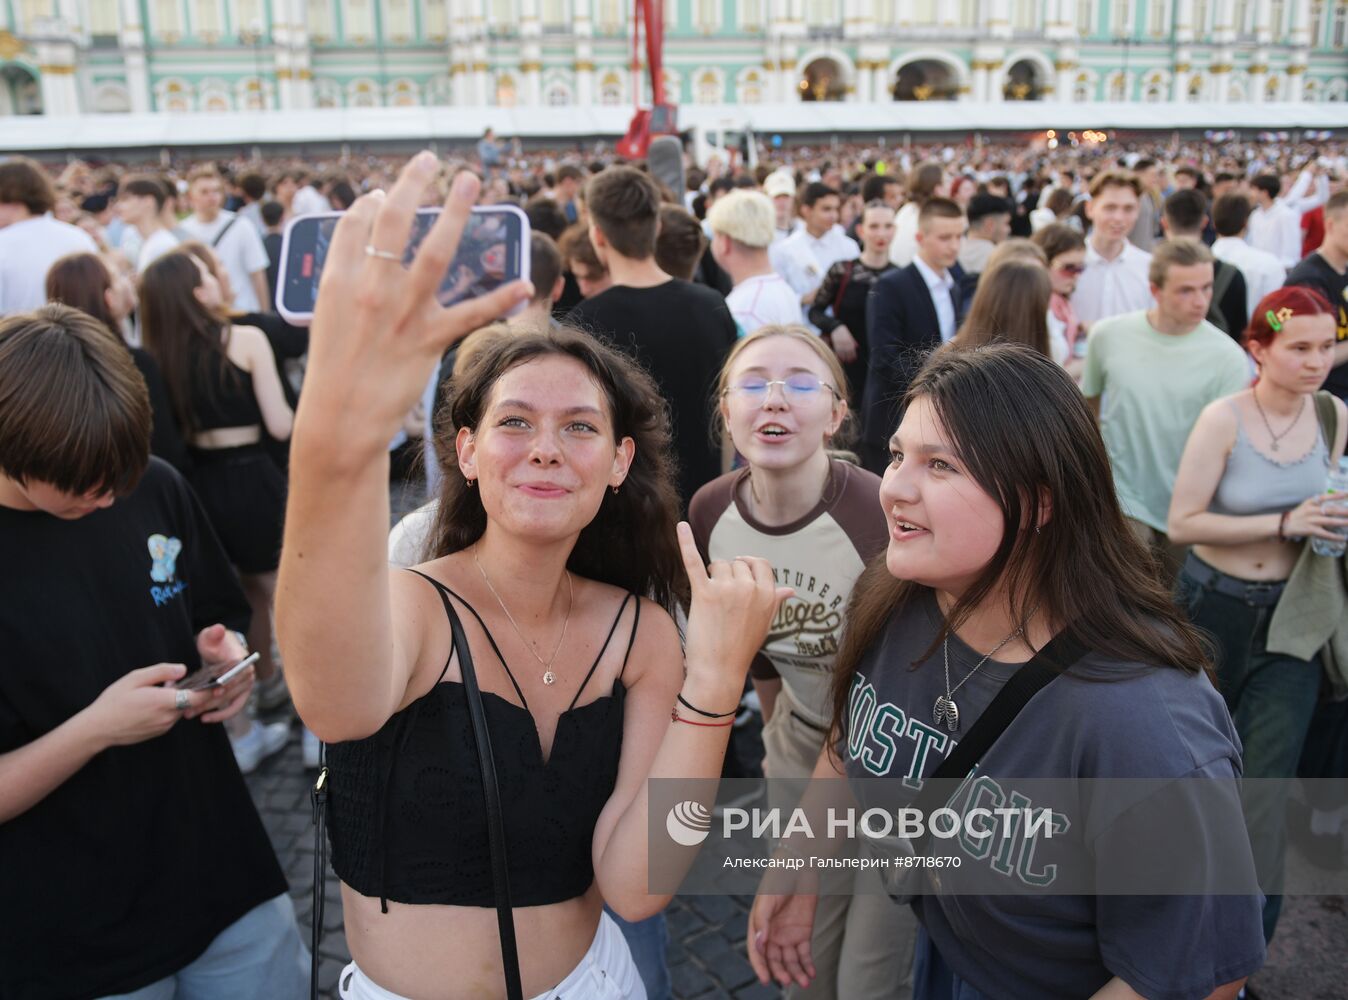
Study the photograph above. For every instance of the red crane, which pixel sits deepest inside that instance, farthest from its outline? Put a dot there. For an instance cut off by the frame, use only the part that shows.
(661, 118)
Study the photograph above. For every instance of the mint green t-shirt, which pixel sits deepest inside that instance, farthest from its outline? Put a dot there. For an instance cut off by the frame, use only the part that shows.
(1154, 386)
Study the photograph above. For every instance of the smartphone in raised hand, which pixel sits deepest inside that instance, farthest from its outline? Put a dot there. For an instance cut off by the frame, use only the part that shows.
(493, 251)
(216, 675)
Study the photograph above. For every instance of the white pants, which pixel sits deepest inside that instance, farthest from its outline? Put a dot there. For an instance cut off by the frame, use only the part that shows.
(605, 972)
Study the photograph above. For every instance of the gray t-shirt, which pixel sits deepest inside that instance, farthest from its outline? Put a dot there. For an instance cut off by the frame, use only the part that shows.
(1155, 723)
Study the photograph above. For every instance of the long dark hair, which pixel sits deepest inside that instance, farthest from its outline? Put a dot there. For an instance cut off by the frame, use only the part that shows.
(1025, 434)
(1011, 305)
(82, 281)
(631, 542)
(181, 333)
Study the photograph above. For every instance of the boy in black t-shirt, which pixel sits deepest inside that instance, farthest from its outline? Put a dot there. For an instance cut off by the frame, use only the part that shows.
(680, 332)
(1326, 270)
(133, 855)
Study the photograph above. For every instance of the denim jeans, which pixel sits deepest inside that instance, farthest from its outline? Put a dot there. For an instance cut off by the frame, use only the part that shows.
(259, 955)
(933, 979)
(648, 940)
(1271, 697)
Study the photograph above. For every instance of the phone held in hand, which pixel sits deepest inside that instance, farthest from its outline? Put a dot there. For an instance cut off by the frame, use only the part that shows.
(493, 251)
(216, 675)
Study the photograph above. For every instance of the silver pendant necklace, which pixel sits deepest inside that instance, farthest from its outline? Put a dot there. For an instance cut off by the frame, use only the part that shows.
(1269, 427)
(548, 676)
(946, 711)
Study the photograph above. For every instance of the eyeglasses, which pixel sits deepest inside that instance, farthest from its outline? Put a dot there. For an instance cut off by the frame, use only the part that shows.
(800, 388)
(1072, 269)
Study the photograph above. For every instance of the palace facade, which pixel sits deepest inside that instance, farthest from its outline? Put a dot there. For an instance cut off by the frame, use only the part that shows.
(63, 57)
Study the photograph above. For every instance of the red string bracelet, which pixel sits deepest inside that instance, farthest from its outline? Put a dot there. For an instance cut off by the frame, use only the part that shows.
(674, 716)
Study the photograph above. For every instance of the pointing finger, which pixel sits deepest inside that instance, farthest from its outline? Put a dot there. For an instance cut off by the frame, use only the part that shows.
(692, 559)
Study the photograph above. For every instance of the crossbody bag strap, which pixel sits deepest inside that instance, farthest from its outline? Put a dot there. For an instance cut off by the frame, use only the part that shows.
(319, 797)
(1054, 659)
(500, 872)
(1328, 415)
(221, 235)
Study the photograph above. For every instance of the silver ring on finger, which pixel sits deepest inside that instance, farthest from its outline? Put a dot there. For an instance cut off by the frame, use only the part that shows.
(373, 251)
(181, 700)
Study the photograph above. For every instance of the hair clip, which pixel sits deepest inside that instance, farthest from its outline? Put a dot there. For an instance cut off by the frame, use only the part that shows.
(1273, 323)
(1284, 314)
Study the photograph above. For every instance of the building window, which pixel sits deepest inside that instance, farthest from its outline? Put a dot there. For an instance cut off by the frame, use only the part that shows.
(610, 16)
(1242, 17)
(103, 19)
(1160, 18)
(708, 88)
(208, 21)
(555, 13)
(251, 16)
(559, 96)
(611, 89)
(1118, 87)
(502, 13)
(357, 21)
(168, 20)
(1340, 26)
(751, 87)
(1200, 24)
(1083, 91)
(31, 11)
(435, 19)
(1085, 17)
(399, 24)
(924, 11)
(708, 15)
(1025, 15)
(751, 14)
(968, 13)
(320, 21)
(1123, 18)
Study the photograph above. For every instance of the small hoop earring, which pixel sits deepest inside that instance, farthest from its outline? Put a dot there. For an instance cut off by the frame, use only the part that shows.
(615, 490)
(471, 482)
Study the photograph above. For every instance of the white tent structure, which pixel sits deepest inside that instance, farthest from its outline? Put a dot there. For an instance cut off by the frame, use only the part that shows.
(894, 120)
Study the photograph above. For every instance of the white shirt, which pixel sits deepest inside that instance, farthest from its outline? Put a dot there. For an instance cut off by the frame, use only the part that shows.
(308, 201)
(1276, 230)
(940, 286)
(240, 250)
(28, 249)
(762, 300)
(161, 241)
(1112, 287)
(803, 261)
(903, 248)
(1263, 272)
(974, 254)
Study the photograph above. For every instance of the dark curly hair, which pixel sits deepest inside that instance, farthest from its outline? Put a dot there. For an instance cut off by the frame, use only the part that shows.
(631, 542)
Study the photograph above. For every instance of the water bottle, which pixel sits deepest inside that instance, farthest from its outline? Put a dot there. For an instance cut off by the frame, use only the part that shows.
(1336, 483)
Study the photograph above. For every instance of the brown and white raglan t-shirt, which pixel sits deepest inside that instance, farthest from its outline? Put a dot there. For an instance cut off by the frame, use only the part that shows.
(820, 555)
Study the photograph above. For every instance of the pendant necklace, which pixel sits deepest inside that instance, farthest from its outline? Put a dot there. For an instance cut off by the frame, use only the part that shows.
(1295, 420)
(945, 710)
(548, 676)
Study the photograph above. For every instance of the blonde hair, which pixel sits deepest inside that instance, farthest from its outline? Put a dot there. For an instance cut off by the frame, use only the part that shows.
(1180, 252)
(747, 217)
(1016, 248)
(801, 335)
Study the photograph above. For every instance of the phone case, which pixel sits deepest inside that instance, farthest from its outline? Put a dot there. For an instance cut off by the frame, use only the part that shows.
(305, 318)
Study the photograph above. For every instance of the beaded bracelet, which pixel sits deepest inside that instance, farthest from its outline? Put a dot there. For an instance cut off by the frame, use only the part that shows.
(674, 716)
(708, 715)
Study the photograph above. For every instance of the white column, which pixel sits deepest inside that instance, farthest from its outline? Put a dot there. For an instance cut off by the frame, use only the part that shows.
(1184, 21)
(584, 64)
(1263, 21)
(1180, 74)
(787, 74)
(69, 13)
(999, 18)
(1066, 66)
(60, 95)
(980, 80)
(133, 56)
(1258, 73)
(1224, 24)
(531, 54)
(1301, 23)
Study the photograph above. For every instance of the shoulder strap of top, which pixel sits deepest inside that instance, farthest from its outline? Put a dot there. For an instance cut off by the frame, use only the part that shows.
(631, 639)
(612, 628)
(445, 593)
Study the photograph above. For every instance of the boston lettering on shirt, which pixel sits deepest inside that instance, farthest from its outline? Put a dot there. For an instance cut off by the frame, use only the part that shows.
(820, 555)
(1104, 719)
(125, 872)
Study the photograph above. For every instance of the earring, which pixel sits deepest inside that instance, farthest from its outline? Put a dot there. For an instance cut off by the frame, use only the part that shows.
(471, 482)
(615, 491)
(1036, 529)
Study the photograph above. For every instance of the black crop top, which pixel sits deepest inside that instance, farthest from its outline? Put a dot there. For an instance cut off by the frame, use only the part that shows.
(406, 813)
(222, 393)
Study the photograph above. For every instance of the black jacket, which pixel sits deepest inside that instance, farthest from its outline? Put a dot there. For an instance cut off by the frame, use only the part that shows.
(901, 330)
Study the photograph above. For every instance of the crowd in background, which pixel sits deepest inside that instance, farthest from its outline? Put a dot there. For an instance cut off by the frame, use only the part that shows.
(1195, 292)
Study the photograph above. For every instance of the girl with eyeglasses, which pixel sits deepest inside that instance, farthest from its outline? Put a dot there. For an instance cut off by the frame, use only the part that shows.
(816, 517)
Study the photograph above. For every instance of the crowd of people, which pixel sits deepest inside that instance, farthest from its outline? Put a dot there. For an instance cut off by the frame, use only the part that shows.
(918, 406)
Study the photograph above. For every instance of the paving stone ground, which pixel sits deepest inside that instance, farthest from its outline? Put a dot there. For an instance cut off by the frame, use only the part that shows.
(1307, 960)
